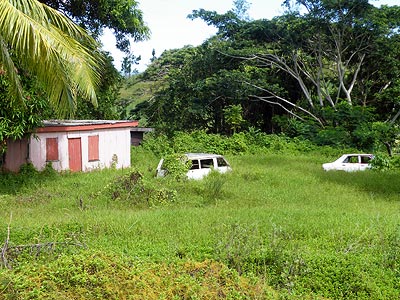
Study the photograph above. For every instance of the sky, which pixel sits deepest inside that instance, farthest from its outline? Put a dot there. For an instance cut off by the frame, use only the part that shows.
(171, 29)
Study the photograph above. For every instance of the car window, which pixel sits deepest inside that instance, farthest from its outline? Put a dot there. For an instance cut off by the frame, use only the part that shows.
(365, 159)
(195, 165)
(206, 163)
(351, 160)
(221, 162)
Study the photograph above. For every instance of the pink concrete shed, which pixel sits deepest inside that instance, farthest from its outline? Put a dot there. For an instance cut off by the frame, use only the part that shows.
(75, 145)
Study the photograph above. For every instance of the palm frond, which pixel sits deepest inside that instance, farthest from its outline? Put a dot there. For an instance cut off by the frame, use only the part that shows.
(45, 15)
(65, 66)
(15, 89)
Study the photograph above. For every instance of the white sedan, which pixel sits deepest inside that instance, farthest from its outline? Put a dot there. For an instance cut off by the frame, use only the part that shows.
(350, 163)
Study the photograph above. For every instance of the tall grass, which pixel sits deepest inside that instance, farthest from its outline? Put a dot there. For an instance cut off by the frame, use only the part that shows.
(277, 216)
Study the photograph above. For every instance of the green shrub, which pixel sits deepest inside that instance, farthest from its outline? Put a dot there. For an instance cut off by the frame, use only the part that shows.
(384, 162)
(28, 170)
(252, 141)
(49, 170)
(339, 276)
(96, 275)
(176, 166)
(213, 185)
(160, 145)
(381, 162)
(132, 189)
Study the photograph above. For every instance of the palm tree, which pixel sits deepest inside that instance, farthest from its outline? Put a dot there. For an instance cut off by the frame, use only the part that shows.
(52, 48)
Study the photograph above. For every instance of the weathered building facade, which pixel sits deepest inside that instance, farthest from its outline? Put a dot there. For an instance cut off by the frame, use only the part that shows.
(75, 145)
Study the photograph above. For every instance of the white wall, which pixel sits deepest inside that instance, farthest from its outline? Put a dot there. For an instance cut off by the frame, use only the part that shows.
(112, 143)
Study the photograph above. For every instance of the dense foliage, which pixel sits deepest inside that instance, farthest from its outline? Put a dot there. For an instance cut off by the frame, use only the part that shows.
(329, 75)
(50, 67)
(45, 61)
(108, 103)
(16, 118)
(122, 16)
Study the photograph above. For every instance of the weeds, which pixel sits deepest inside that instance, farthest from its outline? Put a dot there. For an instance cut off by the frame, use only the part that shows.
(176, 166)
(97, 275)
(279, 221)
(213, 186)
(392, 252)
(133, 189)
(13, 254)
(236, 244)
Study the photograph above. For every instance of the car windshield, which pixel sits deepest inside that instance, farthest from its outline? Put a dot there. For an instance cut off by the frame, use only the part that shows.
(195, 164)
(221, 162)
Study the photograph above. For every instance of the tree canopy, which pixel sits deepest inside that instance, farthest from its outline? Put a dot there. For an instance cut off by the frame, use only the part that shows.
(324, 70)
(122, 16)
(42, 41)
(49, 65)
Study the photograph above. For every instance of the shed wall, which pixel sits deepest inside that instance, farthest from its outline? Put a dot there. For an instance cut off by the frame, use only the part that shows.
(16, 155)
(114, 149)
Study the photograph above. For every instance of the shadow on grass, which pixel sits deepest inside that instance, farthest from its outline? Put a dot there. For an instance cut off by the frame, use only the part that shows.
(385, 184)
(13, 183)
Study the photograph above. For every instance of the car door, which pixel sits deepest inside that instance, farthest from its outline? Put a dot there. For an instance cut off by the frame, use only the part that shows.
(222, 165)
(350, 164)
(200, 168)
(194, 172)
(160, 171)
(365, 162)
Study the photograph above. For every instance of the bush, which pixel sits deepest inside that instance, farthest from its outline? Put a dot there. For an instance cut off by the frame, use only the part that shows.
(28, 170)
(339, 276)
(384, 162)
(176, 166)
(96, 275)
(132, 189)
(252, 141)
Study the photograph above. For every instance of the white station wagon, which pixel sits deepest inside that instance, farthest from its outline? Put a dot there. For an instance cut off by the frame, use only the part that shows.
(201, 165)
(350, 163)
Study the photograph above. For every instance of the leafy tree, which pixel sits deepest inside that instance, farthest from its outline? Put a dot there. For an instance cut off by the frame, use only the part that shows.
(126, 20)
(18, 118)
(122, 16)
(385, 133)
(127, 63)
(329, 51)
(228, 24)
(233, 116)
(241, 8)
(45, 59)
(47, 43)
(327, 74)
(194, 92)
(107, 96)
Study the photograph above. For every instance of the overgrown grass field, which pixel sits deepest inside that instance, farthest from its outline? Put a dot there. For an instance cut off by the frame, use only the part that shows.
(277, 227)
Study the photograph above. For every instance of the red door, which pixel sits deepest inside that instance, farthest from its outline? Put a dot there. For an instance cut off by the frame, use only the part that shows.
(75, 154)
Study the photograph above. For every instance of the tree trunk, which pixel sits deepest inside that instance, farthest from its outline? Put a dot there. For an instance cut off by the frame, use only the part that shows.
(388, 148)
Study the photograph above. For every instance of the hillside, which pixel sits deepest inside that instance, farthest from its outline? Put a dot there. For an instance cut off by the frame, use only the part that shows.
(136, 90)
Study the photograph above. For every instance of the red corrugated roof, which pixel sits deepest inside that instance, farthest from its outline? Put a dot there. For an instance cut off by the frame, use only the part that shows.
(84, 125)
